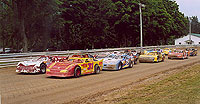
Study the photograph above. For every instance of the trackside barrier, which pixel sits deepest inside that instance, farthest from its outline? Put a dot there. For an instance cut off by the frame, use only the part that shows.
(11, 59)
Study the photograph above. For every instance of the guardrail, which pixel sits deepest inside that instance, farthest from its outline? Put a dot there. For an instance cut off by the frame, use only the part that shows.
(11, 59)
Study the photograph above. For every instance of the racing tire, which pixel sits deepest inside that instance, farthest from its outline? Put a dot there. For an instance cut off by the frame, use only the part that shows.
(157, 61)
(135, 61)
(77, 72)
(130, 64)
(43, 68)
(119, 66)
(163, 59)
(96, 69)
(158, 58)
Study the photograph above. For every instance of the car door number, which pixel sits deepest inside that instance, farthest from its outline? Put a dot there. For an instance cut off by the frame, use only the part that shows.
(90, 66)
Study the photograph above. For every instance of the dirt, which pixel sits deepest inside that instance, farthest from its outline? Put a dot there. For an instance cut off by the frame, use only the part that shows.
(38, 88)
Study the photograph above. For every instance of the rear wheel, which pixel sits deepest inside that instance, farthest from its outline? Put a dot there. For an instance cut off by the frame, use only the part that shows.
(77, 72)
(158, 58)
(157, 61)
(163, 59)
(43, 68)
(135, 61)
(96, 69)
(130, 64)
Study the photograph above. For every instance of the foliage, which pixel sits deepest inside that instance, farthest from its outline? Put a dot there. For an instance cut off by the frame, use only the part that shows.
(36, 25)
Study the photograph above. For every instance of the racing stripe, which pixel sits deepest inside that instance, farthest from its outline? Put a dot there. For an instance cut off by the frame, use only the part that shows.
(69, 66)
(52, 65)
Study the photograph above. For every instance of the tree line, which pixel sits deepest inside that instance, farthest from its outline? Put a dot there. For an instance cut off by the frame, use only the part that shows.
(37, 25)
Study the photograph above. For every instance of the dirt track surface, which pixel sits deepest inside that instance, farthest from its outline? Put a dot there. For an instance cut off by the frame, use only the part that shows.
(40, 89)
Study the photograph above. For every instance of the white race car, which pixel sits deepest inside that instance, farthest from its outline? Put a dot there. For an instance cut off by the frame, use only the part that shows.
(35, 65)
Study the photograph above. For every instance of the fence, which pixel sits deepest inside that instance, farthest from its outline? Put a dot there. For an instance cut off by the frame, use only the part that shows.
(11, 59)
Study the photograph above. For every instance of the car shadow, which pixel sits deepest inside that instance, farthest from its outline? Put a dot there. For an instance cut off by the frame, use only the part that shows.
(54, 77)
(29, 73)
(72, 77)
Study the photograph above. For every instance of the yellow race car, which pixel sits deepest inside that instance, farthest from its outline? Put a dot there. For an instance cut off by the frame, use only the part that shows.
(167, 50)
(152, 57)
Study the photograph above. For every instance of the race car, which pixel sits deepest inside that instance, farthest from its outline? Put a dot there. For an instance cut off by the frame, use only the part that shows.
(167, 50)
(178, 54)
(152, 57)
(117, 62)
(191, 51)
(76, 65)
(36, 64)
(133, 54)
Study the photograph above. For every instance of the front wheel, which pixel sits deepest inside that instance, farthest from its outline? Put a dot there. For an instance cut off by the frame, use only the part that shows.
(120, 66)
(43, 68)
(77, 72)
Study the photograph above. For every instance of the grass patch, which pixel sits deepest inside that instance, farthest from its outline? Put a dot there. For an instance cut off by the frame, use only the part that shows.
(181, 88)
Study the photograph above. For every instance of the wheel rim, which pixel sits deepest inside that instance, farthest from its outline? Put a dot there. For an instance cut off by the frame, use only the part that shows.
(98, 70)
(119, 66)
(43, 68)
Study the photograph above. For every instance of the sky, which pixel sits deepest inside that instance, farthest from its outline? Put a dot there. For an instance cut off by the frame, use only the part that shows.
(189, 7)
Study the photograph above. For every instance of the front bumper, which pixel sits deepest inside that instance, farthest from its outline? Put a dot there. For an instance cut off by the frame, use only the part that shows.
(176, 57)
(146, 60)
(57, 73)
(109, 67)
(27, 69)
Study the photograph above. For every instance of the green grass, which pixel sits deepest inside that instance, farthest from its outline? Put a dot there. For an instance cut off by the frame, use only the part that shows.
(181, 88)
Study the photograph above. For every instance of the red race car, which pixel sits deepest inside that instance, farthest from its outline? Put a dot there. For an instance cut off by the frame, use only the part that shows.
(178, 54)
(76, 66)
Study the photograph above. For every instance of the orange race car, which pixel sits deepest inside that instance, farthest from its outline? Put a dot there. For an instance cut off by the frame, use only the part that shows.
(178, 54)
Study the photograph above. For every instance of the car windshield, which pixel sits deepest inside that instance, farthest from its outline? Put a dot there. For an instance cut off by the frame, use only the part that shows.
(38, 59)
(178, 51)
(151, 53)
(42, 58)
(76, 60)
(113, 56)
(102, 56)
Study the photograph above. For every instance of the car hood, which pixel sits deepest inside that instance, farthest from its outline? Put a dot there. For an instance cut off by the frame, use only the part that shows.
(111, 61)
(28, 63)
(147, 56)
(61, 65)
(174, 53)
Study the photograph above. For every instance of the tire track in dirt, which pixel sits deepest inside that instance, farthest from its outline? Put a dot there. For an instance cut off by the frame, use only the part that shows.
(31, 89)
